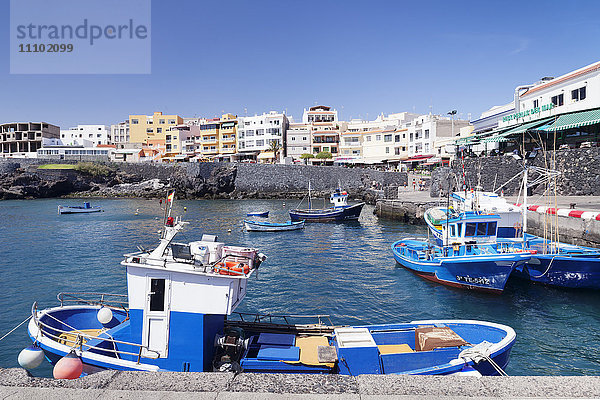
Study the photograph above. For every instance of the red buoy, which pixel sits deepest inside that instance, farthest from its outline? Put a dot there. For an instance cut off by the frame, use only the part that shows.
(68, 367)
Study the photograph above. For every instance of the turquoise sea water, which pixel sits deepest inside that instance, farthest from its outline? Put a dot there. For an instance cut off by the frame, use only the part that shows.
(344, 270)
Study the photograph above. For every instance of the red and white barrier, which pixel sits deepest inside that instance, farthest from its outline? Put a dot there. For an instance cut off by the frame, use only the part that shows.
(564, 212)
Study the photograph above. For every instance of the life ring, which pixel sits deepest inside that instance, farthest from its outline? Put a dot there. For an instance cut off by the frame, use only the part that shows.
(517, 225)
(232, 268)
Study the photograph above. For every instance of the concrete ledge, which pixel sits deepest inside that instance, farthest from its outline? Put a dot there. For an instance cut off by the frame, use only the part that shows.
(17, 383)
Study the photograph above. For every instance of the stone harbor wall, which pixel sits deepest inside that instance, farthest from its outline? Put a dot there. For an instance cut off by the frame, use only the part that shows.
(579, 170)
(21, 178)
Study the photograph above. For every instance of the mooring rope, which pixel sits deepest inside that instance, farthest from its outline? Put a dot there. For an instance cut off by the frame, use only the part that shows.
(16, 327)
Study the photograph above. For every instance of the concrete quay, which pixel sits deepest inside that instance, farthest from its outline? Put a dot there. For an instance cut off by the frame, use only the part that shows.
(16, 383)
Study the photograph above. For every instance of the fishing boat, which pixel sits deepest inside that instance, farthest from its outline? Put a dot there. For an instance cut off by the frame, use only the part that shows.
(262, 214)
(262, 226)
(467, 266)
(447, 226)
(179, 315)
(340, 211)
(86, 208)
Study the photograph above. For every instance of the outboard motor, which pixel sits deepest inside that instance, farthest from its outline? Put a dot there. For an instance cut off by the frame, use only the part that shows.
(229, 349)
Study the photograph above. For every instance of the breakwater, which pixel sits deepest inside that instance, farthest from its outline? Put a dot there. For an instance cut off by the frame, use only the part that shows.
(21, 178)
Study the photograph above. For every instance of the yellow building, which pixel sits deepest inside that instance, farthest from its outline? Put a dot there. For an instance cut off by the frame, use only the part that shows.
(218, 137)
(153, 128)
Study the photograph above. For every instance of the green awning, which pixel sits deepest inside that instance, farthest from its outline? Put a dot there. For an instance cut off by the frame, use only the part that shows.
(495, 139)
(574, 120)
(466, 140)
(526, 127)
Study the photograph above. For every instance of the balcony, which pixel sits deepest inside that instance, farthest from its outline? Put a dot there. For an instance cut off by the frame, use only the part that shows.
(326, 140)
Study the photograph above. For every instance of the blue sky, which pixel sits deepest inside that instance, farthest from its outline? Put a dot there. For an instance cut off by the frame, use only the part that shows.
(360, 57)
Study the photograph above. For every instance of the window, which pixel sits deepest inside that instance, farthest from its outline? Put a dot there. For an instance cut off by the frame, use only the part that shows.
(482, 229)
(377, 137)
(426, 133)
(334, 149)
(578, 94)
(158, 130)
(260, 142)
(491, 231)
(411, 136)
(396, 138)
(453, 230)
(387, 138)
(149, 130)
(171, 121)
(161, 121)
(397, 151)
(387, 150)
(134, 121)
(368, 138)
(536, 103)
(558, 100)
(470, 229)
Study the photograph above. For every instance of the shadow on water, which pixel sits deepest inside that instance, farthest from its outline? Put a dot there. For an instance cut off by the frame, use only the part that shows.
(344, 270)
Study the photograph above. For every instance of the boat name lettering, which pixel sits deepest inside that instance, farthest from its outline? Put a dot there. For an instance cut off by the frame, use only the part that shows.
(469, 279)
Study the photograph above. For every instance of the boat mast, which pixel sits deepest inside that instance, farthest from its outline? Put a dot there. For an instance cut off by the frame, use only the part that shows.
(309, 199)
(524, 201)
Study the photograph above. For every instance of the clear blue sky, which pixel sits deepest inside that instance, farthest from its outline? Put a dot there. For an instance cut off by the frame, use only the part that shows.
(361, 57)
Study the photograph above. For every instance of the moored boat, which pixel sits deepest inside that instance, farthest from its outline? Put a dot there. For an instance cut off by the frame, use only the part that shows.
(179, 315)
(341, 210)
(263, 226)
(467, 266)
(86, 208)
(262, 214)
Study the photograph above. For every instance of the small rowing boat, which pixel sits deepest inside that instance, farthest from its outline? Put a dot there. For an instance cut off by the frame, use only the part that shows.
(260, 226)
(262, 214)
(86, 208)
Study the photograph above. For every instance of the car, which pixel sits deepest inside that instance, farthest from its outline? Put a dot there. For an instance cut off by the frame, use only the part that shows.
(588, 144)
(566, 146)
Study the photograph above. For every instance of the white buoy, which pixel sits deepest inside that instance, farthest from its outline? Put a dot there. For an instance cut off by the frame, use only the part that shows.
(68, 367)
(104, 315)
(31, 357)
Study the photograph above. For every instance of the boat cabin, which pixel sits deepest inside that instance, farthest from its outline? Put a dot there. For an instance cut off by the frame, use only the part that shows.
(449, 227)
(339, 198)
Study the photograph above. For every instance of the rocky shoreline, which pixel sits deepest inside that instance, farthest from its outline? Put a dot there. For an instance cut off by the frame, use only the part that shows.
(21, 180)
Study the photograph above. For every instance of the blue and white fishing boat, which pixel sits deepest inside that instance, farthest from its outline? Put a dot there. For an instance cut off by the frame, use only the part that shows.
(86, 208)
(449, 227)
(179, 315)
(467, 266)
(263, 226)
(341, 210)
(261, 214)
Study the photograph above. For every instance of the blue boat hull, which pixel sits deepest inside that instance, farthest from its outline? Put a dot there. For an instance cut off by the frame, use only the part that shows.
(478, 272)
(328, 214)
(576, 272)
(258, 214)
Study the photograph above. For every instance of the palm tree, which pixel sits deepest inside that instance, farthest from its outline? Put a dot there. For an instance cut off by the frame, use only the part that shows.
(275, 148)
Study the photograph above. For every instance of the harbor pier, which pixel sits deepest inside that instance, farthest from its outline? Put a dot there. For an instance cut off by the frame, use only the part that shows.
(578, 217)
(17, 383)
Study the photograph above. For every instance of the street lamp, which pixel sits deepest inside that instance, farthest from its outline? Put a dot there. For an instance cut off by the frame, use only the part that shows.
(452, 114)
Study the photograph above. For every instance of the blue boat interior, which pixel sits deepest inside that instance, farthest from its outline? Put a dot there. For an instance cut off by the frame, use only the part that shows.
(392, 349)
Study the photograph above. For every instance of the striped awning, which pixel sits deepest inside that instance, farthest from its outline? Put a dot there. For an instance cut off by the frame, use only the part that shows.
(527, 127)
(574, 120)
(495, 139)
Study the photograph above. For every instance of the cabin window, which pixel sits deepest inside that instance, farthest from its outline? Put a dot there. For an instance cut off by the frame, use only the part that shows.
(460, 228)
(452, 230)
(492, 229)
(157, 294)
(482, 229)
(470, 229)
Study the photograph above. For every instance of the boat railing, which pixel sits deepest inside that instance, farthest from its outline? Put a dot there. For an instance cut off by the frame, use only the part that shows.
(95, 299)
(211, 267)
(319, 320)
(80, 339)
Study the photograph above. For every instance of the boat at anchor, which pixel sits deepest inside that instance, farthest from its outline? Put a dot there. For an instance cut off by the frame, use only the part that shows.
(263, 226)
(86, 208)
(341, 210)
(179, 315)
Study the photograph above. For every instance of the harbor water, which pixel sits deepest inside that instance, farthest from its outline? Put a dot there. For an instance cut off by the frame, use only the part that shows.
(344, 270)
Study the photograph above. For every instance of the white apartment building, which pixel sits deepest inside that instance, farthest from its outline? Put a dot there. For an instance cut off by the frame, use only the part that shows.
(120, 133)
(373, 142)
(325, 129)
(86, 135)
(575, 91)
(425, 131)
(179, 141)
(256, 133)
(298, 139)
